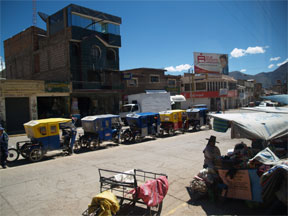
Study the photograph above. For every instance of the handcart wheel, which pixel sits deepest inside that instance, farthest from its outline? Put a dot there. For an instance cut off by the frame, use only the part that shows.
(36, 154)
(155, 210)
(13, 155)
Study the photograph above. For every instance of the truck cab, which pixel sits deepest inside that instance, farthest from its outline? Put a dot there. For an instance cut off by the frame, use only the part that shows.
(128, 109)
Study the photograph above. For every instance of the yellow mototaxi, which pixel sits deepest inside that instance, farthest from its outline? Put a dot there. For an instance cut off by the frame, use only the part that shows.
(173, 120)
(45, 135)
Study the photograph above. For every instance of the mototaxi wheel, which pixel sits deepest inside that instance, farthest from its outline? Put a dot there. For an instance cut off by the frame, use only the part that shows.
(138, 138)
(83, 142)
(77, 145)
(171, 132)
(126, 136)
(94, 144)
(36, 154)
(25, 150)
(13, 155)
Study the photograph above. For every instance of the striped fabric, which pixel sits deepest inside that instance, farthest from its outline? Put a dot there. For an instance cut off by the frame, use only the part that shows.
(220, 125)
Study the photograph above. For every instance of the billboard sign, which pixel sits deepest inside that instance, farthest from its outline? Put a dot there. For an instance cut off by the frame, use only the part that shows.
(211, 63)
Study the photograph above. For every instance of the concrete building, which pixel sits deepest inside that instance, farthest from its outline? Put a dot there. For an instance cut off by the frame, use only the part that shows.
(258, 91)
(140, 79)
(217, 91)
(80, 46)
(248, 95)
(25, 100)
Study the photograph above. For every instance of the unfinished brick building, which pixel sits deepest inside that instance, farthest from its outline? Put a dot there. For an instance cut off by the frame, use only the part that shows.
(80, 46)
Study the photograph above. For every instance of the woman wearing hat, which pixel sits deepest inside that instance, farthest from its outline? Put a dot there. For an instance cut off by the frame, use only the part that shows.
(3, 146)
(211, 153)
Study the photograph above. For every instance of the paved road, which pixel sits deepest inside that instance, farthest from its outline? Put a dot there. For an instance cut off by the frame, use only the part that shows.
(65, 185)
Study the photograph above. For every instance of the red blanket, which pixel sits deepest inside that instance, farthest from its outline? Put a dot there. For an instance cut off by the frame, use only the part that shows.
(153, 191)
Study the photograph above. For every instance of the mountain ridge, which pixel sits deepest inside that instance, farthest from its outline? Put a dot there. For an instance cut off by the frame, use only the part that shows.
(268, 79)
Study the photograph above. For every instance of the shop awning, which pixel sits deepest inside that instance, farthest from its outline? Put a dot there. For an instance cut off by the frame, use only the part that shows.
(256, 125)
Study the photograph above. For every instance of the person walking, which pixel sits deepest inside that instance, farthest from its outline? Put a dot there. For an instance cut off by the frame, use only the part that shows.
(3, 146)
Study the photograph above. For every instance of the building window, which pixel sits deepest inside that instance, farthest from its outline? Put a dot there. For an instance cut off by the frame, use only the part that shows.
(201, 86)
(232, 86)
(95, 52)
(36, 63)
(154, 78)
(172, 82)
(187, 87)
(225, 85)
(132, 82)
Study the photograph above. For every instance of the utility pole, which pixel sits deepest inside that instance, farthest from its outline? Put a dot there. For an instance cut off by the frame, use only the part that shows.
(34, 16)
(190, 71)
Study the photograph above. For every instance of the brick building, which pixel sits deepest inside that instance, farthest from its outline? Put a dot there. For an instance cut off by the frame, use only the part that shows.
(25, 100)
(140, 79)
(80, 46)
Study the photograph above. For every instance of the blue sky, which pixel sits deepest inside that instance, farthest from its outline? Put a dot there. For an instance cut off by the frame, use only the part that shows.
(162, 34)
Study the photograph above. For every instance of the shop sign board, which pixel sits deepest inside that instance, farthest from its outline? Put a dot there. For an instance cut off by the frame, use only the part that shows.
(54, 86)
(209, 94)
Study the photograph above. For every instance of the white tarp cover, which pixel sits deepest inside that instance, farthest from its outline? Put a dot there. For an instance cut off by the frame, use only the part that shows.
(256, 125)
(177, 98)
(268, 109)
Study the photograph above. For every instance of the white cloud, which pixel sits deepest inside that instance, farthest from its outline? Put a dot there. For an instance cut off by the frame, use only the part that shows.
(282, 62)
(243, 70)
(270, 66)
(2, 64)
(255, 50)
(275, 58)
(236, 52)
(178, 68)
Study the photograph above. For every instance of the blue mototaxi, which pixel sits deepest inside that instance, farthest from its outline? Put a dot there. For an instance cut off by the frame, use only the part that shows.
(141, 125)
(45, 135)
(197, 117)
(99, 128)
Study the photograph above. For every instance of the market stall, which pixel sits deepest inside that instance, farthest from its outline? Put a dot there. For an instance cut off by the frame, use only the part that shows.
(254, 173)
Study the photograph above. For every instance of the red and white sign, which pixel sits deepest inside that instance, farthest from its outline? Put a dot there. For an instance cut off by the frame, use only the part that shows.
(211, 63)
(209, 94)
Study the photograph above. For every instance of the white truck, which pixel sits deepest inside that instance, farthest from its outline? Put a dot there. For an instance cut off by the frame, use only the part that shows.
(146, 102)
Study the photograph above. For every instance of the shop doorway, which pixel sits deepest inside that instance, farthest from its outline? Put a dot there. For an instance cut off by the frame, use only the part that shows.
(52, 107)
(17, 113)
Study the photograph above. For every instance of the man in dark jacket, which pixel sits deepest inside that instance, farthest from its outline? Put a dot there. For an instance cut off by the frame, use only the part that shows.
(3, 146)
